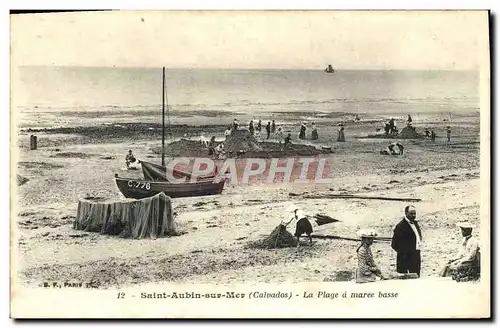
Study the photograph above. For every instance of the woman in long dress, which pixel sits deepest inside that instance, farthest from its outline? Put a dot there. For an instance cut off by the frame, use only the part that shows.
(314, 132)
(366, 271)
(302, 133)
(340, 136)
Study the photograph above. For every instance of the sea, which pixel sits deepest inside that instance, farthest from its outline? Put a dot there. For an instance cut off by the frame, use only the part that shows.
(366, 92)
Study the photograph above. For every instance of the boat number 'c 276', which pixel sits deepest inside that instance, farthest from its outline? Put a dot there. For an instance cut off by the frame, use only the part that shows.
(139, 185)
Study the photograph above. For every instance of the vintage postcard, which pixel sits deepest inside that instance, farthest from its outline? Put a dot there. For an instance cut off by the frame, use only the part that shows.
(250, 164)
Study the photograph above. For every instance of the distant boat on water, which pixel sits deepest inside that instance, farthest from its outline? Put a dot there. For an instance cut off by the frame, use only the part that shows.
(329, 69)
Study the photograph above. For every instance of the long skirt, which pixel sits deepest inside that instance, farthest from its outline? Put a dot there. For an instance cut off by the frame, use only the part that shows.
(303, 227)
(341, 137)
(315, 135)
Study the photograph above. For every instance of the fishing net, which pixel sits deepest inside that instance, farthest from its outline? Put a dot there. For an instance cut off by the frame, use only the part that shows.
(149, 217)
(409, 132)
(278, 238)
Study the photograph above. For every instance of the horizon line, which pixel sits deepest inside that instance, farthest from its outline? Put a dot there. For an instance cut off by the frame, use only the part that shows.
(258, 68)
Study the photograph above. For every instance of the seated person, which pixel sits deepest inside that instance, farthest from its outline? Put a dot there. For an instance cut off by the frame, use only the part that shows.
(366, 271)
(391, 149)
(401, 148)
(130, 158)
(467, 256)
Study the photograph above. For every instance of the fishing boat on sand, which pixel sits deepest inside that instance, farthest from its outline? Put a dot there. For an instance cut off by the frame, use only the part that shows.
(156, 180)
(137, 188)
(156, 172)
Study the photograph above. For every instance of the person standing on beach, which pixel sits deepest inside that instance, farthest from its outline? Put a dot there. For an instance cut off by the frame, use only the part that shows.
(433, 136)
(448, 133)
(279, 133)
(273, 127)
(268, 129)
(341, 136)
(235, 124)
(314, 132)
(392, 125)
(407, 242)
(302, 133)
(250, 127)
(302, 224)
(227, 133)
(259, 126)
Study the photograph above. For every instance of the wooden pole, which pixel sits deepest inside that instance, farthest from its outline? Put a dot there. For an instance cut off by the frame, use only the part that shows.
(344, 196)
(377, 239)
(168, 111)
(163, 120)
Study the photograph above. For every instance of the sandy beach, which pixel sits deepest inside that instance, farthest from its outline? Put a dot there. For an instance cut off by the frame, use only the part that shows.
(81, 160)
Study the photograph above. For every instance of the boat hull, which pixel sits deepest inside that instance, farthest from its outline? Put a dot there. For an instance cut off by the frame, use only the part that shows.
(138, 189)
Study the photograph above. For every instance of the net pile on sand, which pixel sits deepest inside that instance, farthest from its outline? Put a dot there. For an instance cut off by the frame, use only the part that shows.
(241, 140)
(409, 132)
(183, 148)
(279, 238)
(149, 217)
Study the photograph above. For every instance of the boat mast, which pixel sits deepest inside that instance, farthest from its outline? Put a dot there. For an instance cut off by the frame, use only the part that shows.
(163, 121)
(168, 111)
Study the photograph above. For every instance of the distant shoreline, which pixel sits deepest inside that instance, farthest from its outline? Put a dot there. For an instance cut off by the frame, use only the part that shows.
(256, 69)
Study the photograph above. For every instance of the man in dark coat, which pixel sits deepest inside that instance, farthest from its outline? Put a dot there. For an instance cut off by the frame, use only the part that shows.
(407, 242)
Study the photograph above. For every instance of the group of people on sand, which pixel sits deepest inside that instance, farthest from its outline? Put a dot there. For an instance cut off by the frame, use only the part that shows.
(315, 135)
(391, 129)
(256, 130)
(303, 130)
(391, 149)
(432, 135)
(272, 128)
(407, 242)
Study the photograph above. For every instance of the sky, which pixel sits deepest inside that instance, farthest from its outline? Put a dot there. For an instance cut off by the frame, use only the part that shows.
(254, 39)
